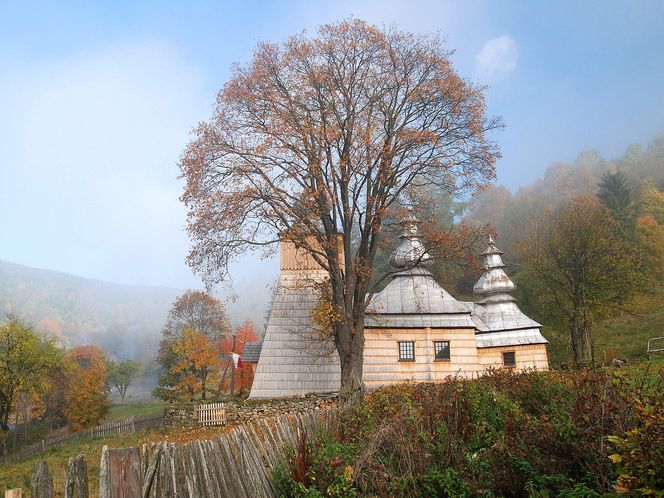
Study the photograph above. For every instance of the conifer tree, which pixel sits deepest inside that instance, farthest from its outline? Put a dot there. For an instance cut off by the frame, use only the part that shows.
(614, 192)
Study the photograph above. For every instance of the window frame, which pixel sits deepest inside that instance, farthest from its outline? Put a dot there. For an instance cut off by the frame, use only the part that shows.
(513, 353)
(400, 350)
(449, 351)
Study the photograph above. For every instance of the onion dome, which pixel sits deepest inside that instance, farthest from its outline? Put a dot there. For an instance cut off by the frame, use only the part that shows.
(410, 252)
(494, 285)
(413, 299)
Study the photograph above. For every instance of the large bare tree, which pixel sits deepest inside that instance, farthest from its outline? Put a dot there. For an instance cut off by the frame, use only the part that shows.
(315, 139)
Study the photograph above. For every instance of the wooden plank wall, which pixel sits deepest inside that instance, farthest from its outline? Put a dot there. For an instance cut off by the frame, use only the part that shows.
(382, 365)
(299, 259)
(381, 356)
(531, 356)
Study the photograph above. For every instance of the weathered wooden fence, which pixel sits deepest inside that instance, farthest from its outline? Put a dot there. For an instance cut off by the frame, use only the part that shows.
(127, 425)
(236, 464)
(211, 414)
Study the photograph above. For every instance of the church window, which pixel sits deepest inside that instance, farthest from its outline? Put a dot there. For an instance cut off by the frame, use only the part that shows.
(406, 351)
(509, 359)
(442, 350)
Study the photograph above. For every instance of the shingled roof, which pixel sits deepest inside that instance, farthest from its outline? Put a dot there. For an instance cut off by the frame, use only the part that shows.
(413, 299)
(252, 352)
(294, 360)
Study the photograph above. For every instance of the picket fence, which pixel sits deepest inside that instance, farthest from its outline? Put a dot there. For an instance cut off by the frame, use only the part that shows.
(128, 425)
(212, 414)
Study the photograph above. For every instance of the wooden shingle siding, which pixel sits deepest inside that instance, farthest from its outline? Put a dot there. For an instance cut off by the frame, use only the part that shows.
(381, 355)
(531, 356)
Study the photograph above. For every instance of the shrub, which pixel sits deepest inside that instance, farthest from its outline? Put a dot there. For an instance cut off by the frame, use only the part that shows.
(505, 434)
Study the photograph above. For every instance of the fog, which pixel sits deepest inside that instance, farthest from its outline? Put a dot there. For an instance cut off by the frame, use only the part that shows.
(97, 104)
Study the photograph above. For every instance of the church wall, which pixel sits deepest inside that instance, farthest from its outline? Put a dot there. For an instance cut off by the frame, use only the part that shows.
(294, 259)
(381, 356)
(527, 357)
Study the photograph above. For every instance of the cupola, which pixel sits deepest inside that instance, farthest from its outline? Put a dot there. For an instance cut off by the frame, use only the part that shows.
(494, 285)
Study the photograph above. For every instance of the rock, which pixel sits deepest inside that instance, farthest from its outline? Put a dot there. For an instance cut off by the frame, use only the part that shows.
(41, 483)
(76, 485)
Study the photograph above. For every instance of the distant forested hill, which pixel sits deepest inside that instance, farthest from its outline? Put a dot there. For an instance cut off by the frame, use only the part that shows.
(125, 320)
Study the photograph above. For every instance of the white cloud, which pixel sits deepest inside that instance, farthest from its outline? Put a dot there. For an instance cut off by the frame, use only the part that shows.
(497, 58)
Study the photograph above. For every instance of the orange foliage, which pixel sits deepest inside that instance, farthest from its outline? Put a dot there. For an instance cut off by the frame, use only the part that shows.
(244, 375)
(197, 363)
(86, 398)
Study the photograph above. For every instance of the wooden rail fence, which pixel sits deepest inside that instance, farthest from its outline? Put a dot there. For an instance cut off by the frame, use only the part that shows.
(128, 425)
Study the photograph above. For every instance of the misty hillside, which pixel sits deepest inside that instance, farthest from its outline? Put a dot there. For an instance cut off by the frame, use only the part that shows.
(124, 320)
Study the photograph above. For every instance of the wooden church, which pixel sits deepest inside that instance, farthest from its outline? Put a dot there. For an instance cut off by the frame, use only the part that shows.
(414, 329)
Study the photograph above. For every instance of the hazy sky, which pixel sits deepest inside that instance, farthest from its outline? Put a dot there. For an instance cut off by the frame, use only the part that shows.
(97, 100)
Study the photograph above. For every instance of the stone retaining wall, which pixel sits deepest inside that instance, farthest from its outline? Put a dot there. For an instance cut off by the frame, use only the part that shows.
(238, 411)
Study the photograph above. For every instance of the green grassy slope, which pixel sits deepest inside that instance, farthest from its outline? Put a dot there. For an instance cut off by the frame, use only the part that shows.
(624, 336)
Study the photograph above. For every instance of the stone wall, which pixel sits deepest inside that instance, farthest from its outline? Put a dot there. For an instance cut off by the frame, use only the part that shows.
(238, 411)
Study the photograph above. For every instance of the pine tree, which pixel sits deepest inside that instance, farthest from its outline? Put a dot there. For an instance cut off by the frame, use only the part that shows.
(614, 192)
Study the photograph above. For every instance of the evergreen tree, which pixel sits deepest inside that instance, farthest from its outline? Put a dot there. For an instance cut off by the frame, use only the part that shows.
(614, 192)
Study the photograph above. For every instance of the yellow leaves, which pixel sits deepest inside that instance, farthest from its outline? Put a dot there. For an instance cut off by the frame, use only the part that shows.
(26, 360)
(650, 231)
(86, 397)
(195, 350)
(652, 204)
(197, 361)
(323, 316)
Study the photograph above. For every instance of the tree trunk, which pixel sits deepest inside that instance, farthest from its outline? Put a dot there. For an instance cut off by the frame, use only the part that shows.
(4, 436)
(203, 387)
(580, 332)
(351, 390)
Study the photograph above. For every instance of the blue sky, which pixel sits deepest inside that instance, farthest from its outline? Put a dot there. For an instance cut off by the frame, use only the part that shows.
(97, 100)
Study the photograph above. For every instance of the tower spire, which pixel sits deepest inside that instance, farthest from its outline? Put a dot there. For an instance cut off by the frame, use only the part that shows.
(410, 252)
(494, 285)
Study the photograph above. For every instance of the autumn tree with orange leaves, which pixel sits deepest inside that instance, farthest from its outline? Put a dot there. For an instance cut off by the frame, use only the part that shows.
(195, 309)
(197, 362)
(239, 379)
(317, 138)
(86, 397)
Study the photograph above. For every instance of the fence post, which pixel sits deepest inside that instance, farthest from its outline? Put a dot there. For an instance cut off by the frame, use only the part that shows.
(76, 485)
(41, 483)
(120, 473)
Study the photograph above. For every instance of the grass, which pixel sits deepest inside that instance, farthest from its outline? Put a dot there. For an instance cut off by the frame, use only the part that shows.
(118, 412)
(17, 475)
(623, 336)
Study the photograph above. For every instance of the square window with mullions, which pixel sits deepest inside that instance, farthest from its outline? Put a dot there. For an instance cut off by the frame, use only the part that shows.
(407, 351)
(441, 350)
(509, 359)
